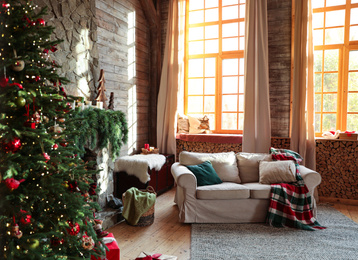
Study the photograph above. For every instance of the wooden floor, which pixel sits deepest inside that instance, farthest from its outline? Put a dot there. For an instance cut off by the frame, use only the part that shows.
(167, 236)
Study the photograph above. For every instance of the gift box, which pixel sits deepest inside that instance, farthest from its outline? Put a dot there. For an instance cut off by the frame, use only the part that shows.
(113, 253)
(151, 256)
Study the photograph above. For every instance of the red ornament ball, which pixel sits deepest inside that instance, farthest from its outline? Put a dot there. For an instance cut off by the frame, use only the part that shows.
(12, 146)
(25, 218)
(41, 21)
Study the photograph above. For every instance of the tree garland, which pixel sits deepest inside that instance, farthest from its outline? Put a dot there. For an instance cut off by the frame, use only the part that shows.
(97, 128)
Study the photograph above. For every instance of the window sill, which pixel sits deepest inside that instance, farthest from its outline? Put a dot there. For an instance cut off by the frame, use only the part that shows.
(211, 138)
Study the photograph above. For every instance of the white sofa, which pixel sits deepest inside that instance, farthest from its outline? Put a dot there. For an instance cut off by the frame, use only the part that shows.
(236, 200)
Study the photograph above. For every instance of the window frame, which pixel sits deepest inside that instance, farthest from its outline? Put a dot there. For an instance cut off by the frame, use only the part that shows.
(220, 56)
(343, 70)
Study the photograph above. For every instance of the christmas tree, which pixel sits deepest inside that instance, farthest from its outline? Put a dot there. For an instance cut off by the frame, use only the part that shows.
(46, 190)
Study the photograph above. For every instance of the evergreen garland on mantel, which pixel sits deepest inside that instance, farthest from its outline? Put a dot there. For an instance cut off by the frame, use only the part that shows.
(96, 128)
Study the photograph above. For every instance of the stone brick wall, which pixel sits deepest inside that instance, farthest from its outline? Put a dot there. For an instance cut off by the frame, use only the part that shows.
(75, 24)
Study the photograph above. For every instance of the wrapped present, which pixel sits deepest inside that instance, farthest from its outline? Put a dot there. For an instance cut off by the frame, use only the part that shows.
(114, 252)
(150, 256)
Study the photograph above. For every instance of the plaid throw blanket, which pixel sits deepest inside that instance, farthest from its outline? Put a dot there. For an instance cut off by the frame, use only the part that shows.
(290, 204)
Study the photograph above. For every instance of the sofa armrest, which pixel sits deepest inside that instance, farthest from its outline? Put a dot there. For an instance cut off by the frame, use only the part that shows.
(183, 176)
(311, 178)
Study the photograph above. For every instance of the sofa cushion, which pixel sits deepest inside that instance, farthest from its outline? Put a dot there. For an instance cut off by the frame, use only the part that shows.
(277, 172)
(248, 164)
(223, 191)
(224, 163)
(258, 191)
(205, 174)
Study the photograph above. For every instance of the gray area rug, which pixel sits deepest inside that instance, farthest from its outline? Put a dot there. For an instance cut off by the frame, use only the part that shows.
(260, 241)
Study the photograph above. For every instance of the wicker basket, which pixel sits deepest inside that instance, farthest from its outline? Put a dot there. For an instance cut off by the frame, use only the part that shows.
(148, 217)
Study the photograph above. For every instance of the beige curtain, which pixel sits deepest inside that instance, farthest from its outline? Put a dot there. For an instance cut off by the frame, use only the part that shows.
(172, 78)
(302, 123)
(257, 123)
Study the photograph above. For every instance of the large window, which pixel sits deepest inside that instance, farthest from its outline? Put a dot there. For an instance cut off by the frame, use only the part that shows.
(214, 63)
(335, 35)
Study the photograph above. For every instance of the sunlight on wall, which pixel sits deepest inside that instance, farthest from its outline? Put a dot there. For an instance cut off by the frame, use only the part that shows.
(82, 69)
(132, 91)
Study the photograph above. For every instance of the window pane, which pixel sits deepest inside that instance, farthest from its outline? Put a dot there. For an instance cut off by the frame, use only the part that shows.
(242, 43)
(317, 102)
(353, 102)
(334, 2)
(353, 33)
(330, 82)
(317, 21)
(318, 82)
(353, 81)
(196, 68)
(230, 12)
(195, 86)
(241, 103)
(230, 29)
(230, 44)
(195, 104)
(329, 102)
(318, 37)
(209, 86)
(352, 122)
(317, 3)
(210, 68)
(353, 60)
(329, 122)
(211, 31)
(331, 60)
(210, 3)
(354, 16)
(209, 104)
(317, 123)
(335, 18)
(354, 1)
(196, 33)
(196, 17)
(230, 2)
(242, 28)
(229, 121)
(242, 11)
(195, 5)
(229, 85)
(318, 61)
(242, 68)
(196, 47)
(212, 15)
(212, 46)
(334, 36)
(241, 121)
(241, 84)
(229, 103)
(230, 67)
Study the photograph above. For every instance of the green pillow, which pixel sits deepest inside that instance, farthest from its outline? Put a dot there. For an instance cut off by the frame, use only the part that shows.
(205, 174)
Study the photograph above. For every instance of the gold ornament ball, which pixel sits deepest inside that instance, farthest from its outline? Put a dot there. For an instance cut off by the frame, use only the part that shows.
(20, 101)
(19, 65)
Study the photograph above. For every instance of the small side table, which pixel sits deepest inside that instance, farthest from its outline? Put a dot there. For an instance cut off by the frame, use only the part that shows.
(161, 180)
